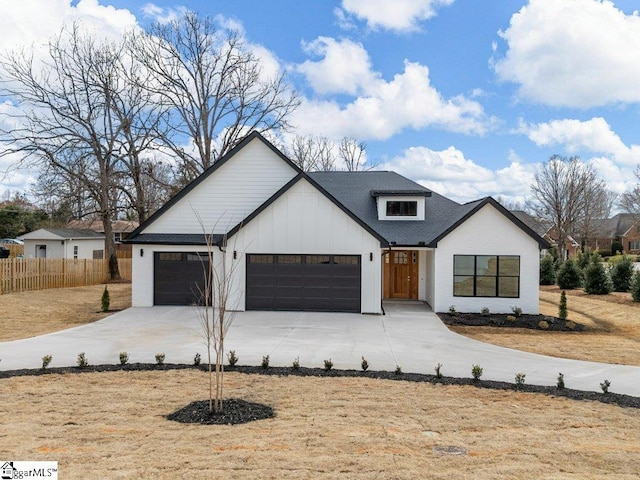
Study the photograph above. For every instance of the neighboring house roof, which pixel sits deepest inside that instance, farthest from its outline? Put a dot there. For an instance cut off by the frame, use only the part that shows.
(616, 226)
(62, 234)
(118, 226)
(538, 226)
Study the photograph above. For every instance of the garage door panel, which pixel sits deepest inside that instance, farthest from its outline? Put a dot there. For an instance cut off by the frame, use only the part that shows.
(303, 282)
(178, 277)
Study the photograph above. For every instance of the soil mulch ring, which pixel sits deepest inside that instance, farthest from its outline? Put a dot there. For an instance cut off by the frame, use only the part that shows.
(554, 324)
(235, 411)
(246, 410)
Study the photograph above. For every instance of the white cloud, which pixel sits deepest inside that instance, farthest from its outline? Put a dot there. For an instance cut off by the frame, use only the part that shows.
(577, 53)
(449, 173)
(398, 15)
(162, 15)
(345, 68)
(382, 108)
(575, 136)
(30, 22)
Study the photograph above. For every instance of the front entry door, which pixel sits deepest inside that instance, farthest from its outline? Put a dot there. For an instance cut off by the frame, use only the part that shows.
(401, 274)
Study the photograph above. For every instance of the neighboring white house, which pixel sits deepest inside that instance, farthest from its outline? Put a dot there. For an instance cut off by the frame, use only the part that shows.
(63, 243)
(332, 241)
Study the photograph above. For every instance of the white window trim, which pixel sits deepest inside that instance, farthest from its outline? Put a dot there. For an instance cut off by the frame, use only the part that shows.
(382, 207)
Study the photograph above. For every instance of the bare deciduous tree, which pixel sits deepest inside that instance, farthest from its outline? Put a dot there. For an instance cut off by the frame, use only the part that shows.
(630, 201)
(214, 311)
(597, 207)
(214, 87)
(563, 191)
(312, 153)
(353, 154)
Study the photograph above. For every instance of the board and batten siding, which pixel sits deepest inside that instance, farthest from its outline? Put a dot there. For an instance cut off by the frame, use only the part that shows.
(229, 194)
(487, 232)
(304, 221)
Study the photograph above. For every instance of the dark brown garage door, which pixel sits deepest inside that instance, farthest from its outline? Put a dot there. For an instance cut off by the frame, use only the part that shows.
(178, 277)
(303, 282)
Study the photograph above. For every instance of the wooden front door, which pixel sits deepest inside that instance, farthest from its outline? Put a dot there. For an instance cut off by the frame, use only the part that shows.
(401, 274)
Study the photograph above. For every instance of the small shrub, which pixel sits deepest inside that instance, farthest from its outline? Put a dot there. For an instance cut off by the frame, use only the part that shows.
(485, 312)
(547, 270)
(562, 307)
(398, 370)
(605, 386)
(560, 381)
(438, 370)
(265, 362)
(46, 360)
(596, 279)
(511, 318)
(197, 359)
(364, 364)
(635, 286)
(160, 358)
(296, 364)
(452, 309)
(476, 372)
(520, 380)
(82, 361)
(517, 311)
(543, 325)
(328, 365)
(569, 275)
(106, 300)
(124, 358)
(621, 274)
(232, 357)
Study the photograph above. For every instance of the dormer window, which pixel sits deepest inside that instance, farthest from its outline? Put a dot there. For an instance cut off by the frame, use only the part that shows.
(402, 208)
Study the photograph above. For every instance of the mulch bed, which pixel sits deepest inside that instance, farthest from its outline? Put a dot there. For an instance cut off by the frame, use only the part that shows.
(553, 324)
(234, 412)
(619, 399)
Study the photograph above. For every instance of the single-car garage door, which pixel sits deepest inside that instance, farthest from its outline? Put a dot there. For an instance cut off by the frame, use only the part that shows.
(178, 277)
(303, 282)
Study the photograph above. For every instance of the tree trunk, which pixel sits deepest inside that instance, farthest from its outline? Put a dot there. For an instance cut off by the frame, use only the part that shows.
(110, 248)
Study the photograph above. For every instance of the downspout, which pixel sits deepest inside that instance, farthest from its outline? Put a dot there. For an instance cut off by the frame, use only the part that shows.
(382, 286)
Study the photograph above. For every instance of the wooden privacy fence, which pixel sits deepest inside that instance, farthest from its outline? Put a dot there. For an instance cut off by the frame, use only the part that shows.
(22, 274)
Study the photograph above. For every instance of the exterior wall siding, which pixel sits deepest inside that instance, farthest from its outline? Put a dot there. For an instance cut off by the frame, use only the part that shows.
(487, 232)
(231, 193)
(303, 221)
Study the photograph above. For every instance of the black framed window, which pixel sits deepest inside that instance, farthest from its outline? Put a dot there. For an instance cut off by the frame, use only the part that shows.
(402, 208)
(486, 276)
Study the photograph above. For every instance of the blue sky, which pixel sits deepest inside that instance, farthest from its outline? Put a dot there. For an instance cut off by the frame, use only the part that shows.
(466, 97)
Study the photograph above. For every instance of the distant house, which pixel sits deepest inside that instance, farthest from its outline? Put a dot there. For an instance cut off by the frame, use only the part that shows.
(64, 243)
(121, 228)
(547, 231)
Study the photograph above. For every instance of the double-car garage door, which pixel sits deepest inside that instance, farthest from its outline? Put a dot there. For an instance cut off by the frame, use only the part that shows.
(273, 282)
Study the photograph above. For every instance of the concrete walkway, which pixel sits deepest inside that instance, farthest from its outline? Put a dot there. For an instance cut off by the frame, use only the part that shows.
(409, 335)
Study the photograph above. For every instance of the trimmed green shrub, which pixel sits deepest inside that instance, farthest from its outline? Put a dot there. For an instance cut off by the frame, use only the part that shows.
(328, 365)
(197, 359)
(124, 358)
(232, 357)
(106, 300)
(265, 362)
(635, 286)
(160, 358)
(476, 372)
(82, 361)
(46, 360)
(560, 382)
(569, 275)
(296, 364)
(596, 279)
(547, 270)
(621, 274)
(438, 370)
(520, 380)
(364, 364)
(562, 307)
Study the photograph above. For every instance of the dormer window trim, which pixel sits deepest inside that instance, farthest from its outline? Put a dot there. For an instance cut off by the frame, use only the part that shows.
(401, 207)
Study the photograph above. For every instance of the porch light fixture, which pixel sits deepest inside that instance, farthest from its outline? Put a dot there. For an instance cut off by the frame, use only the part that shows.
(142, 252)
(371, 256)
(235, 254)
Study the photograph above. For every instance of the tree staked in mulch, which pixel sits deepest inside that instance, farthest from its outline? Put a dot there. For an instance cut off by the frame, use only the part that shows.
(234, 412)
(618, 399)
(552, 324)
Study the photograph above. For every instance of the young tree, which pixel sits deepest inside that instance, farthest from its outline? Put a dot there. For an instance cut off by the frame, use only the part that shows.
(562, 307)
(547, 271)
(569, 275)
(563, 190)
(596, 278)
(635, 286)
(214, 87)
(621, 274)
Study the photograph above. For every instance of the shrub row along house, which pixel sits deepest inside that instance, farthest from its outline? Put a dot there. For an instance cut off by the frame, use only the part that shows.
(331, 241)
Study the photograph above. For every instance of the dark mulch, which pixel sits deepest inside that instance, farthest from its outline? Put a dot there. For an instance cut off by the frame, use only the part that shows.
(611, 398)
(234, 412)
(554, 324)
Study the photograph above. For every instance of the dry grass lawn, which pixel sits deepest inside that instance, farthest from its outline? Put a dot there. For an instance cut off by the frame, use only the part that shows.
(112, 425)
(612, 333)
(27, 314)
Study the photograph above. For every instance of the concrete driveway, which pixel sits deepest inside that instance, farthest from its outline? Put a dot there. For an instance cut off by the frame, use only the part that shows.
(410, 336)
